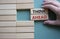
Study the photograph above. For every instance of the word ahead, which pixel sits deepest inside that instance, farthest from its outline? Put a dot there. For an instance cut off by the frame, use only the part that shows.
(39, 17)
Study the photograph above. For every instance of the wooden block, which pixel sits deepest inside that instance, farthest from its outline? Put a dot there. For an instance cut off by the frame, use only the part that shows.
(7, 12)
(8, 38)
(16, 35)
(16, 38)
(25, 6)
(25, 35)
(13, 23)
(25, 23)
(25, 1)
(7, 29)
(7, 18)
(7, 6)
(7, 35)
(7, 1)
(25, 38)
(39, 14)
(25, 29)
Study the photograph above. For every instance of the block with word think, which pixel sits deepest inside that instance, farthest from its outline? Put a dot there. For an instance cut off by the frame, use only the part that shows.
(39, 14)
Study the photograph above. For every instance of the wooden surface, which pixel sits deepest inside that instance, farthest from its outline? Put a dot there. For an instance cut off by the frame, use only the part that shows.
(7, 29)
(25, 1)
(7, 1)
(8, 12)
(25, 29)
(7, 18)
(8, 6)
(25, 35)
(25, 6)
(7, 24)
(16, 35)
(10, 28)
(25, 23)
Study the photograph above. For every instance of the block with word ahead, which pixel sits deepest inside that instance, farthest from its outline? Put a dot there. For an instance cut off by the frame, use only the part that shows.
(39, 14)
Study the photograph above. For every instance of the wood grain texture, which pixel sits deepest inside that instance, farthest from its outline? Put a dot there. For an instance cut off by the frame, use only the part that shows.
(7, 18)
(25, 6)
(16, 38)
(2, 24)
(7, 12)
(17, 29)
(25, 23)
(7, 29)
(25, 38)
(25, 1)
(25, 35)
(25, 29)
(16, 35)
(7, 35)
(7, 6)
(7, 1)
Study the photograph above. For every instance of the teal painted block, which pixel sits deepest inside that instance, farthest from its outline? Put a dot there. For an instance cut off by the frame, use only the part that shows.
(23, 15)
(45, 31)
(38, 3)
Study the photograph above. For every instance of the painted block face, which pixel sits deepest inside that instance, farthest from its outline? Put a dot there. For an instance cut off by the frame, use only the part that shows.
(39, 14)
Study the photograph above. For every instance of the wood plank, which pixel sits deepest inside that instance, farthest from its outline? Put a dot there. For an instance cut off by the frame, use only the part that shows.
(13, 23)
(8, 38)
(25, 23)
(7, 35)
(7, 1)
(16, 35)
(7, 6)
(25, 1)
(16, 38)
(25, 38)
(7, 29)
(17, 29)
(7, 12)
(7, 18)
(25, 29)
(25, 6)
(25, 35)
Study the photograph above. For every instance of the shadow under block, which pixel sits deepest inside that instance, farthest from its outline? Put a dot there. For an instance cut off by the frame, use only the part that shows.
(7, 1)
(7, 6)
(25, 1)
(8, 24)
(8, 12)
(25, 6)
(25, 29)
(25, 23)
